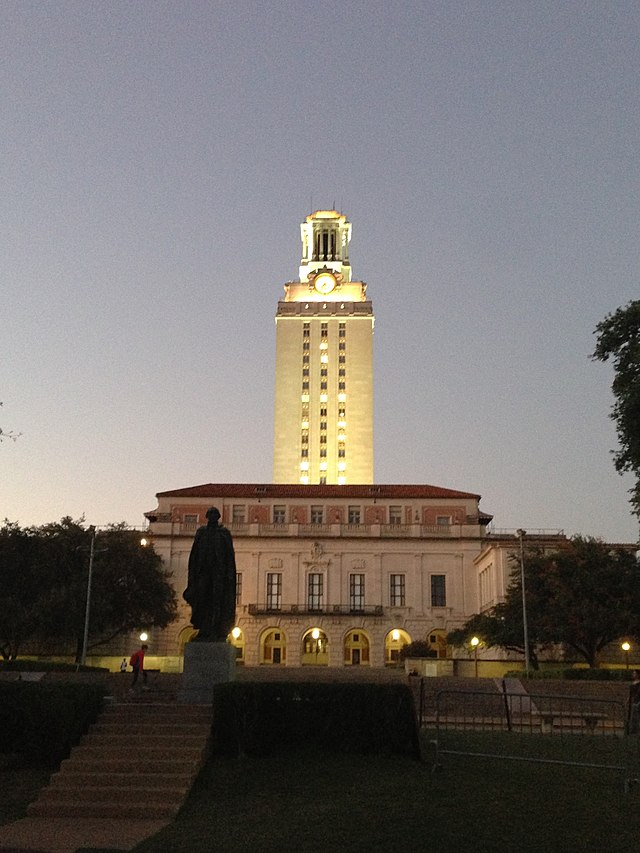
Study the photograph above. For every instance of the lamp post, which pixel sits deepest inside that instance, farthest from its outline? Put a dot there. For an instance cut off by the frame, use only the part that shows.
(626, 646)
(525, 630)
(87, 609)
(475, 642)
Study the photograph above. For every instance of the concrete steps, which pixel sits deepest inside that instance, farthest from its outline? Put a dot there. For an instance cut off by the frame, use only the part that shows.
(137, 762)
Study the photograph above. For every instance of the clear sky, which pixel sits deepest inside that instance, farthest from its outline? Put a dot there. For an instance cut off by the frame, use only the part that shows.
(157, 159)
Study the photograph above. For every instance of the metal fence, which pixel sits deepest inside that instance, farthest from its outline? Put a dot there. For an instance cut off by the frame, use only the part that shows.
(519, 726)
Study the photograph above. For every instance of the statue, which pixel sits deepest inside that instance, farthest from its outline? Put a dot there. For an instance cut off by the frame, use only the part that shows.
(211, 586)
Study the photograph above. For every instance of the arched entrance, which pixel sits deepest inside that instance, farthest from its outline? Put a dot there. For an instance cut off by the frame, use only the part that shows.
(236, 639)
(356, 648)
(315, 648)
(273, 646)
(185, 636)
(393, 643)
(437, 640)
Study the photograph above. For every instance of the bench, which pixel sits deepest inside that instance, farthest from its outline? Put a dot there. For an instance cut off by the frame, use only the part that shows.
(590, 719)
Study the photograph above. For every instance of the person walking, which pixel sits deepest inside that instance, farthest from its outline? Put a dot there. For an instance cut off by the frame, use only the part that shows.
(137, 662)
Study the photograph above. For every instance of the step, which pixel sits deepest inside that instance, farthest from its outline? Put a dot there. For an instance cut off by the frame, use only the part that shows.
(138, 751)
(68, 777)
(110, 728)
(132, 811)
(147, 739)
(133, 764)
(112, 794)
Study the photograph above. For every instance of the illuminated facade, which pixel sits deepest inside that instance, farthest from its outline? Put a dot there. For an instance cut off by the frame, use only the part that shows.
(331, 575)
(323, 419)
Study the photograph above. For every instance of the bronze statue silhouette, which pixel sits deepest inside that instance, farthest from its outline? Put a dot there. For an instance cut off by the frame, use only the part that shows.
(211, 585)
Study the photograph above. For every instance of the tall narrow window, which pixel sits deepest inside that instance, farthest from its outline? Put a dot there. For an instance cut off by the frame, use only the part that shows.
(395, 515)
(238, 587)
(354, 515)
(317, 514)
(438, 591)
(356, 592)
(396, 590)
(279, 513)
(274, 591)
(239, 514)
(315, 591)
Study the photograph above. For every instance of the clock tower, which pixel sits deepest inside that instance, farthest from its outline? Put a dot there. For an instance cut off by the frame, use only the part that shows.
(324, 364)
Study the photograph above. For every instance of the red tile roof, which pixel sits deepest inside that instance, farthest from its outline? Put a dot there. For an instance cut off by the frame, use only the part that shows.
(296, 490)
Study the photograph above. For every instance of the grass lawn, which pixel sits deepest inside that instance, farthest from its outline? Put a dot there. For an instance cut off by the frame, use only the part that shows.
(322, 802)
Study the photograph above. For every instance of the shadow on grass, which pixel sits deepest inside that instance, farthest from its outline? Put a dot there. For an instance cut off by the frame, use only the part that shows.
(307, 801)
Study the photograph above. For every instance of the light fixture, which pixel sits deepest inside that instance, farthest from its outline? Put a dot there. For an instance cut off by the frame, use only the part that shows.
(144, 637)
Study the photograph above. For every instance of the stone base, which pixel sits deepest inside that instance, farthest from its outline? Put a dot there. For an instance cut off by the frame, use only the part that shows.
(205, 665)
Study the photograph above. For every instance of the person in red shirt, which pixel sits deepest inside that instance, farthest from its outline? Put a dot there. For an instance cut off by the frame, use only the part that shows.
(137, 662)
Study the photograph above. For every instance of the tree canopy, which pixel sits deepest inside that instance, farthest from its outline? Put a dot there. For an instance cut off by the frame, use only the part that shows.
(43, 586)
(584, 596)
(619, 340)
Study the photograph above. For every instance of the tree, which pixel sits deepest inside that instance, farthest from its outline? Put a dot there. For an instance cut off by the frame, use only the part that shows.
(43, 586)
(585, 596)
(619, 340)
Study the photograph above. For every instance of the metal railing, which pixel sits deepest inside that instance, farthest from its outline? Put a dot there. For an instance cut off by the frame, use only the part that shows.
(519, 726)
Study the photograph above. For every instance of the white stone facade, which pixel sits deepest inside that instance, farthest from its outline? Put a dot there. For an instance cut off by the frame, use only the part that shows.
(367, 568)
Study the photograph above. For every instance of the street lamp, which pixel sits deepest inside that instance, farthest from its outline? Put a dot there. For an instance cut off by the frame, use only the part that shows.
(525, 630)
(475, 642)
(626, 646)
(87, 609)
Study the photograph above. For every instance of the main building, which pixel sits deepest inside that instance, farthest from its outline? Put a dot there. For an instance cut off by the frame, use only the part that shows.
(332, 568)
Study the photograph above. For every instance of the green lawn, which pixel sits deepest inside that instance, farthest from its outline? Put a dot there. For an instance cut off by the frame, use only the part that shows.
(322, 802)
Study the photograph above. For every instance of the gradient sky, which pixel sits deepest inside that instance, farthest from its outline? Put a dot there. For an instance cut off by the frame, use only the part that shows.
(157, 159)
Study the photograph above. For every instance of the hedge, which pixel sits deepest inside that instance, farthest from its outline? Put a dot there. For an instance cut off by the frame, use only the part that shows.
(43, 721)
(256, 718)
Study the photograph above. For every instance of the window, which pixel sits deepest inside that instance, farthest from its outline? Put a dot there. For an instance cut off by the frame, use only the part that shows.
(323, 452)
(342, 386)
(395, 515)
(315, 591)
(190, 518)
(396, 590)
(317, 515)
(323, 411)
(438, 591)
(444, 520)
(239, 514)
(354, 515)
(356, 592)
(238, 587)
(274, 590)
(305, 346)
(341, 453)
(279, 513)
(342, 346)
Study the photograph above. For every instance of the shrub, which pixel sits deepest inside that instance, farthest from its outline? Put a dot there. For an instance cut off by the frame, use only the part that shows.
(42, 721)
(46, 666)
(256, 718)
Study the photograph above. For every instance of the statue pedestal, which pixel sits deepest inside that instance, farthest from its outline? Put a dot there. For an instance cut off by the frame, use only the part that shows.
(205, 665)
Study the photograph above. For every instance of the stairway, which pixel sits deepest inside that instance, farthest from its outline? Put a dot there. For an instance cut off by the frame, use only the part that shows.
(137, 762)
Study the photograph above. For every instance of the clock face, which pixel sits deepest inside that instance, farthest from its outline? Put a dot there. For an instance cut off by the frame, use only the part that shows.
(324, 282)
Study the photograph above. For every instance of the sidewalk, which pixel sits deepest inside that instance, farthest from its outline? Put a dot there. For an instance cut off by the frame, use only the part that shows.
(66, 835)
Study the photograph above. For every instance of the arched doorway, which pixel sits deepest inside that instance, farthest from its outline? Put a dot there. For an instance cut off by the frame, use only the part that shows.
(356, 648)
(393, 643)
(315, 648)
(236, 639)
(273, 646)
(437, 640)
(185, 636)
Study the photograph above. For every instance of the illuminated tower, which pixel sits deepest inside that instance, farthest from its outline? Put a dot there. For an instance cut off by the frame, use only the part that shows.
(324, 364)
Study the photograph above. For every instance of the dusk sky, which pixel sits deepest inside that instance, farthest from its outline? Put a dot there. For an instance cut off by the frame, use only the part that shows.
(157, 160)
